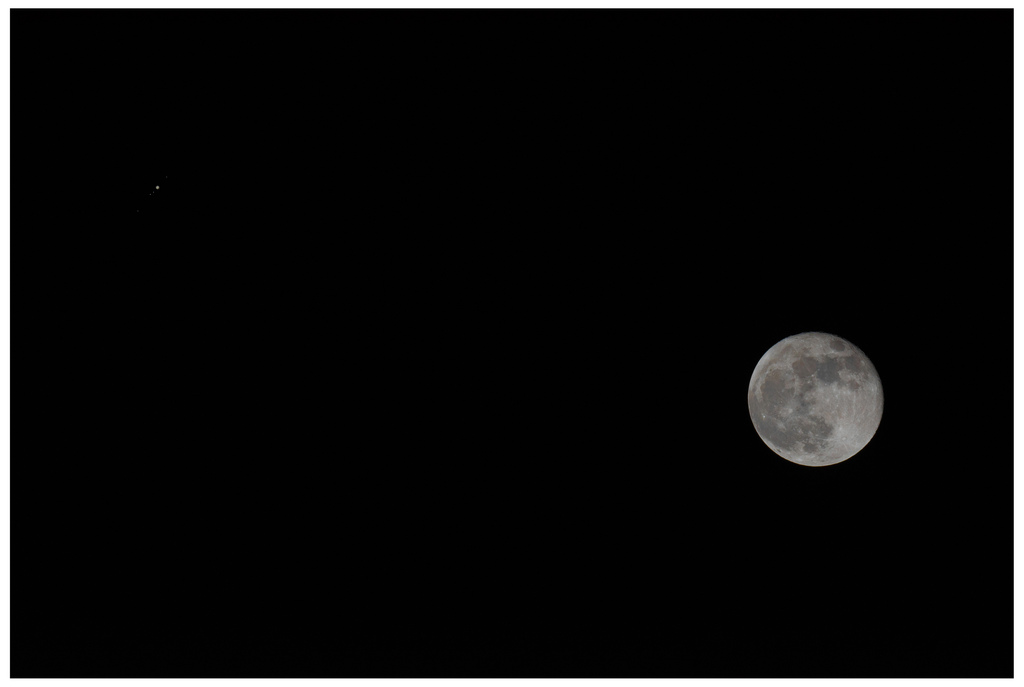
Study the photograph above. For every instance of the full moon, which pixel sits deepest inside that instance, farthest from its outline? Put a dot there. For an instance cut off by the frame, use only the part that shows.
(815, 399)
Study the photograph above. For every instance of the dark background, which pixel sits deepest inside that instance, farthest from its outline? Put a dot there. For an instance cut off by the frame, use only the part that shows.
(430, 356)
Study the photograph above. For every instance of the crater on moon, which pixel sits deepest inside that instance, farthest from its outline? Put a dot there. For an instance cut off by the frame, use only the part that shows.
(815, 399)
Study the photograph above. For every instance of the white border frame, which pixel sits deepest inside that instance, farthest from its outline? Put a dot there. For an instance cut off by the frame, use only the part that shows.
(5, 320)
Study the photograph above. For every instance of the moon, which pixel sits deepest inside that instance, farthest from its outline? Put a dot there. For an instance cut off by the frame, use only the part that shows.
(815, 399)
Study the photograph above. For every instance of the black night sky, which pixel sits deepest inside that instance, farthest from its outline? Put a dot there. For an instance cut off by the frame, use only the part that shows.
(430, 355)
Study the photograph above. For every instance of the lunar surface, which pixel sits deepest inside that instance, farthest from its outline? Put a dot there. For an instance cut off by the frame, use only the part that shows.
(815, 399)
